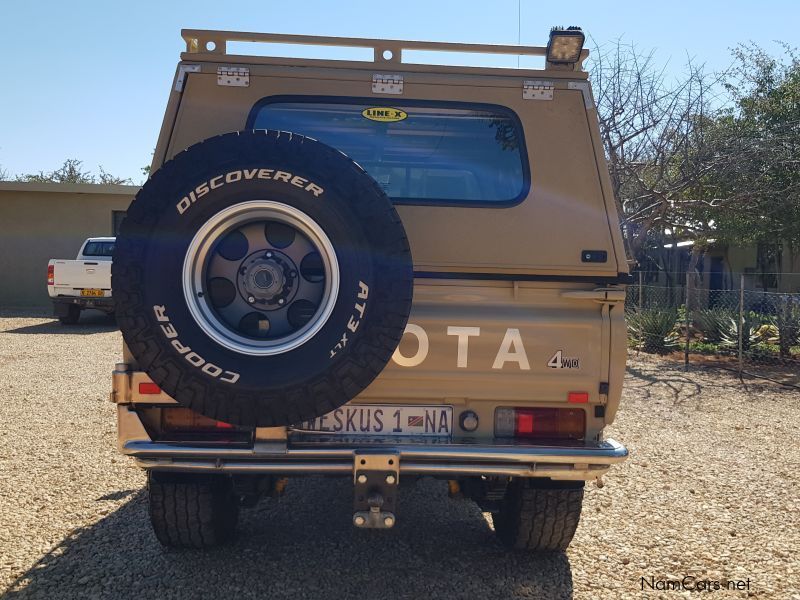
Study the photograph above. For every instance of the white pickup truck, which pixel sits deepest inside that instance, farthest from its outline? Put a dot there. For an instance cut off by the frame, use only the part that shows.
(82, 283)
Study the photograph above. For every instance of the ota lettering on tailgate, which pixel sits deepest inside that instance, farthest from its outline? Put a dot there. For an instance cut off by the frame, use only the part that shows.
(510, 353)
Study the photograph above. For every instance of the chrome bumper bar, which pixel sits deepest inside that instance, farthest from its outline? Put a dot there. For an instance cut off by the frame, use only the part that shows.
(452, 460)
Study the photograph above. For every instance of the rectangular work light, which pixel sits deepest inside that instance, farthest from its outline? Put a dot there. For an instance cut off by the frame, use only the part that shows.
(565, 45)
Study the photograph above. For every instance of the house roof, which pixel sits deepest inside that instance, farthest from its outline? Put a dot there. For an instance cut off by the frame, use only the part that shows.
(68, 188)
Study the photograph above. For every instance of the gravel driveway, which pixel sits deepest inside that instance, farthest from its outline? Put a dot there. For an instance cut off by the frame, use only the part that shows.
(710, 489)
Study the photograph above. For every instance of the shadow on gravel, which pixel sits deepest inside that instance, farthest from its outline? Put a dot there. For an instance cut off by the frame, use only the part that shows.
(683, 387)
(302, 546)
(92, 322)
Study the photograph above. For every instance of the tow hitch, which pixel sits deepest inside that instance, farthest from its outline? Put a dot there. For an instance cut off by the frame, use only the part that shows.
(375, 480)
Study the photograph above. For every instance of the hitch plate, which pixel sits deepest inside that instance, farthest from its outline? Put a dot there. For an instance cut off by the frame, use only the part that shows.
(375, 481)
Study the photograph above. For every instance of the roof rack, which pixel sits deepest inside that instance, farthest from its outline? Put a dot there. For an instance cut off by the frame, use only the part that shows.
(386, 52)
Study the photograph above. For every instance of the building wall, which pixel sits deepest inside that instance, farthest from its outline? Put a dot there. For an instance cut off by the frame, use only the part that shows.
(40, 221)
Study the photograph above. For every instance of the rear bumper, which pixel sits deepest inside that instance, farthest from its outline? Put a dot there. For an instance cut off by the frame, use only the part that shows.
(309, 456)
(61, 303)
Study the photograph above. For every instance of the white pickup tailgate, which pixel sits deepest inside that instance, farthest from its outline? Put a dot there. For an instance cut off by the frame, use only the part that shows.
(72, 276)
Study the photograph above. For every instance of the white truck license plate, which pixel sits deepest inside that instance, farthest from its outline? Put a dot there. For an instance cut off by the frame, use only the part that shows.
(380, 419)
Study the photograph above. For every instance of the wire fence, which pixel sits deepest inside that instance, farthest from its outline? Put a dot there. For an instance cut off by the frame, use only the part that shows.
(750, 331)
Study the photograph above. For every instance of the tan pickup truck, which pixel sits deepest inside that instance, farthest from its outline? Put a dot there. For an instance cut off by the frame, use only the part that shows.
(375, 269)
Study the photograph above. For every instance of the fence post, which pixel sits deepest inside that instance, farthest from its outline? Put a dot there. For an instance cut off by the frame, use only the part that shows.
(741, 322)
(687, 320)
(640, 292)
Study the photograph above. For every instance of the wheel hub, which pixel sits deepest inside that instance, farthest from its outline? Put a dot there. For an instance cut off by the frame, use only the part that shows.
(269, 278)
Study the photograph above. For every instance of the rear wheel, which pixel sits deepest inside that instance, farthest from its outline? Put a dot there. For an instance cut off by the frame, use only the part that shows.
(73, 314)
(190, 511)
(539, 515)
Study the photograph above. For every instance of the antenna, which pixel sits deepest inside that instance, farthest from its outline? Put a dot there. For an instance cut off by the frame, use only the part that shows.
(519, 27)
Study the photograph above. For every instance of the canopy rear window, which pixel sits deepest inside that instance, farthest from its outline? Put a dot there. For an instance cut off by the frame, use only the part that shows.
(419, 152)
(99, 248)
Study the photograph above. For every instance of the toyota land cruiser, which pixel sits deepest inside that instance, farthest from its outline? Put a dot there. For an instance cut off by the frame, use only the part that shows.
(376, 269)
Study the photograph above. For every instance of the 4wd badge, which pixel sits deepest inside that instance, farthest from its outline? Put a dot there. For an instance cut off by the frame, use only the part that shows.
(384, 114)
(559, 361)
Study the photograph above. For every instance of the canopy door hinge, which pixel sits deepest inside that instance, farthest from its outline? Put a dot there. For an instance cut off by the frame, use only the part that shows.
(387, 84)
(537, 90)
(233, 76)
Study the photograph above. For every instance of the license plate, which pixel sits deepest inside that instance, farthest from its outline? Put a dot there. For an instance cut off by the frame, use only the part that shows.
(91, 292)
(385, 420)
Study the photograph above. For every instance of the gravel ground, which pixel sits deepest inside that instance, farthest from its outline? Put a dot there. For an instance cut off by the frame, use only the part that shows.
(710, 490)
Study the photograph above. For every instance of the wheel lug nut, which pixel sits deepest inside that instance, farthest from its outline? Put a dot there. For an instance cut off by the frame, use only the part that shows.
(269, 254)
(281, 300)
(250, 299)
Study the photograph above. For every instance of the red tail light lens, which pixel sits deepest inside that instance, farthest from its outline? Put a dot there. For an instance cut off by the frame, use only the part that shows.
(148, 387)
(541, 423)
(578, 397)
(185, 419)
(51, 274)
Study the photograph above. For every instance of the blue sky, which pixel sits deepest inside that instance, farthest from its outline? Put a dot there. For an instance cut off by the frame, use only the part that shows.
(90, 79)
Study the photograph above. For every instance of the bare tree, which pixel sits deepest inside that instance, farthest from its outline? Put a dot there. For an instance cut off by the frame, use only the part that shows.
(703, 157)
(654, 137)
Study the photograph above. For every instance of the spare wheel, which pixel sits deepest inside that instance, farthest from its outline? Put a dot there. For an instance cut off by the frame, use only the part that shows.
(262, 278)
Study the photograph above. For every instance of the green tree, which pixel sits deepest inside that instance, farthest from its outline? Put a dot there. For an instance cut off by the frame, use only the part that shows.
(704, 157)
(72, 172)
(760, 134)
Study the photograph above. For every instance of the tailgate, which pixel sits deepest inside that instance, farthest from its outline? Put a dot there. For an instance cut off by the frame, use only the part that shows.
(74, 275)
(503, 341)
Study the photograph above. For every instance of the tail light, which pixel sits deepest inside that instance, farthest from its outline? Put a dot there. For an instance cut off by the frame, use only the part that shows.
(540, 423)
(51, 274)
(148, 387)
(179, 419)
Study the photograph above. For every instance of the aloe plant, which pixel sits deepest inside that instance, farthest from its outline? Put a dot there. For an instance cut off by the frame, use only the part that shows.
(653, 329)
(753, 330)
(714, 323)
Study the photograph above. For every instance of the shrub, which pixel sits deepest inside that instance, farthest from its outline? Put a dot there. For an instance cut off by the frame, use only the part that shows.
(703, 348)
(764, 351)
(787, 322)
(653, 329)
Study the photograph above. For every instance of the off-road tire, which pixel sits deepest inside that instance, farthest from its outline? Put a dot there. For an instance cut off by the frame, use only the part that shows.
(301, 383)
(539, 516)
(72, 317)
(190, 511)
